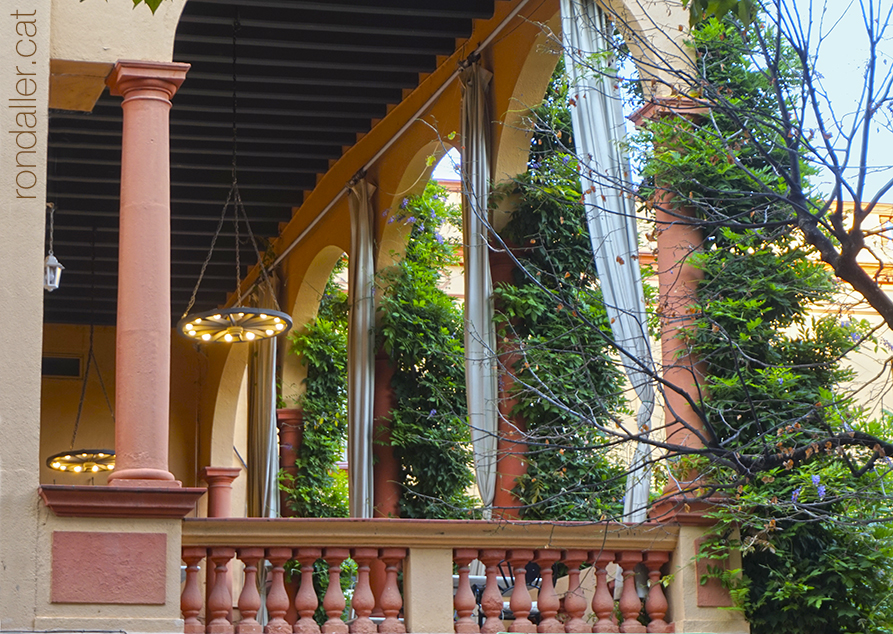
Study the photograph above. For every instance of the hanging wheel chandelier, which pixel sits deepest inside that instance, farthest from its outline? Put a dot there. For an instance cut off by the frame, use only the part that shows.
(87, 461)
(237, 323)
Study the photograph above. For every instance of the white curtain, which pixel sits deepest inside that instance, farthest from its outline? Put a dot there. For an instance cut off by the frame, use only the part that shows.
(598, 129)
(480, 336)
(263, 438)
(360, 350)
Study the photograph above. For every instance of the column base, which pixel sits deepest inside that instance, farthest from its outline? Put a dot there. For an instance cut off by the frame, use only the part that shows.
(146, 478)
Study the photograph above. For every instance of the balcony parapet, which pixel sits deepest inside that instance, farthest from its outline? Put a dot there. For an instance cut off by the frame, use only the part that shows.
(432, 598)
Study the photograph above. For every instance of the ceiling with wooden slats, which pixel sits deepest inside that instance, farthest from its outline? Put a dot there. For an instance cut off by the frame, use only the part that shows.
(310, 77)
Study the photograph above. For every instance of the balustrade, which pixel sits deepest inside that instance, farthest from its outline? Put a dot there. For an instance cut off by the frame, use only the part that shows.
(504, 603)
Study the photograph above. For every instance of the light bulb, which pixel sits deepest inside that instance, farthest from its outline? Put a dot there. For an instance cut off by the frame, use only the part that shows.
(269, 333)
(67, 457)
(216, 317)
(241, 314)
(111, 467)
(83, 455)
(249, 336)
(227, 337)
(63, 468)
(78, 469)
(56, 465)
(276, 320)
(263, 316)
(95, 468)
(191, 333)
(100, 455)
(206, 336)
(198, 320)
(280, 326)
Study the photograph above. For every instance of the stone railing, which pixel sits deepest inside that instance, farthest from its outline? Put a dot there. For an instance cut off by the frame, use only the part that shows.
(428, 553)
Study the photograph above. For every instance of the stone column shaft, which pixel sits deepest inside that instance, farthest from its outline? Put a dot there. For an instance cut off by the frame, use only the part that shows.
(144, 317)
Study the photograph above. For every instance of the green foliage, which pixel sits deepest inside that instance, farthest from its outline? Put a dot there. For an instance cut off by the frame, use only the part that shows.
(319, 489)
(421, 332)
(773, 374)
(700, 10)
(556, 316)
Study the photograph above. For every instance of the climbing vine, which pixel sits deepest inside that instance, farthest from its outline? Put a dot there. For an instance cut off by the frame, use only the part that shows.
(420, 330)
(553, 313)
(774, 375)
(319, 489)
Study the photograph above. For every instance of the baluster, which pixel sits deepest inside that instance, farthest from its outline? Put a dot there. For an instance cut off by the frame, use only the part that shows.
(333, 602)
(547, 601)
(363, 601)
(491, 600)
(656, 604)
(305, 599)
(277, 599)
(291, 590)
(220, 601)
(574, 600)
(390, 600)
(602, 601)
(191, 599)
(463, 602)
(630, 604)
(249, 599)
(520, 601)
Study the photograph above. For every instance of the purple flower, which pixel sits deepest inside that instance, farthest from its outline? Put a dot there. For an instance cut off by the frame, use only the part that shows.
(780, 380)
(565, 159)
(391, 219)
(404, 203)
(438, 237)
(432, 413)
(821, 491)
(816, 480)
(795, 494)
(535, 165)
(410, 219)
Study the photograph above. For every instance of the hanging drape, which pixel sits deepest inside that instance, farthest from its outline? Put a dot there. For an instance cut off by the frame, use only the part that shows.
(263, 438)
(360, 350)
(598, 129)
(480, 336)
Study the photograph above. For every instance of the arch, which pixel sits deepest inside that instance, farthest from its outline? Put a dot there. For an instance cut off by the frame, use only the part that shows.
(414, 177)
(656, 39)
(303, 310)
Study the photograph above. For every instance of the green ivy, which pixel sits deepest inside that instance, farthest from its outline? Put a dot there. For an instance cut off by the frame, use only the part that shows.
(773, 373)
(320, 489)
(420, 329)
(555, 314)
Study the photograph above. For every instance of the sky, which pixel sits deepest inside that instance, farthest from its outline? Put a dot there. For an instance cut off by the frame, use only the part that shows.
(842, 61)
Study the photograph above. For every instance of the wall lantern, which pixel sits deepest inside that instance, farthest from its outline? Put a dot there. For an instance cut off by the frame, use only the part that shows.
(52, 272)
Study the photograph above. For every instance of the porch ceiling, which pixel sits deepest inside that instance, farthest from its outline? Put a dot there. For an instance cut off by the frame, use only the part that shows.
(311, 76)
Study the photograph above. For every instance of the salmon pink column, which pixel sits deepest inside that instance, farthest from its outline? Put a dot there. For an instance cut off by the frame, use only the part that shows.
(678, 237)
(144, 307)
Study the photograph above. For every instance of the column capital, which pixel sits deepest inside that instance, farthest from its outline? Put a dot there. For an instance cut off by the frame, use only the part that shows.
(662, 107)
(220, 476)
(134, 74)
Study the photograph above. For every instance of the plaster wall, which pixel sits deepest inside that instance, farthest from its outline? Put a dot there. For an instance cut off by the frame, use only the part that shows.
(26, 25)
(104, 32)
